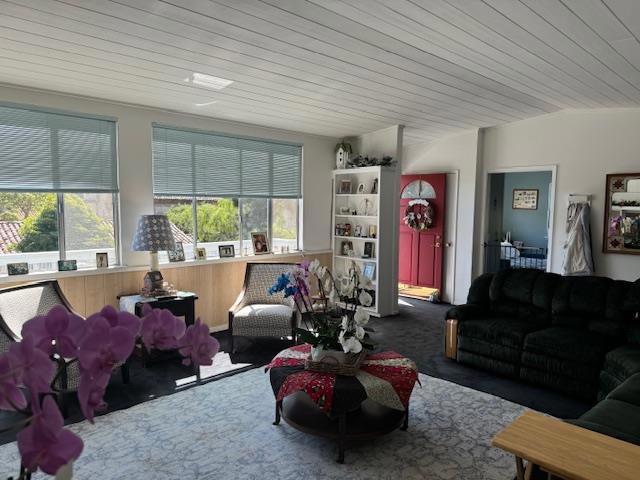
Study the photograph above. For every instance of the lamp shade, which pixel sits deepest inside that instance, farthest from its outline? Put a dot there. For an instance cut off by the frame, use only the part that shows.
(153, 234)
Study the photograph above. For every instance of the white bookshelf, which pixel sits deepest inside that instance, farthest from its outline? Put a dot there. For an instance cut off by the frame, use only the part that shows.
(362, 210)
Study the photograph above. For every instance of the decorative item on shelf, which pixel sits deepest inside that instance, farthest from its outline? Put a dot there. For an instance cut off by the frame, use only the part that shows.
(419, 214)
(525, 199)
(260, 243)
(374, 186)
(364, 161)
(362, 188)
(226, 251)
(201, 253)
(622, 214)
(373, 231)
(102, 260)
(347, 230)
(89, 351)
(153, 233)
(20, 268)
(176, 254)
(345, 210)
(67, 265)
(354, 212)
(358, 231)
(369, 270)
(343, 151)
(366, 209)
(369, 250)
(345, 187)
(152, 280)
(338, 334)
(345, 247)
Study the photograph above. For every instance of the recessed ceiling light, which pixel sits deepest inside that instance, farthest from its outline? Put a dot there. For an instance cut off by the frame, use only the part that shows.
(208, 81)
(206, 104)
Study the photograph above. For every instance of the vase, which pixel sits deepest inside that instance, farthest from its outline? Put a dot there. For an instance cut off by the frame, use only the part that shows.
(336, 357)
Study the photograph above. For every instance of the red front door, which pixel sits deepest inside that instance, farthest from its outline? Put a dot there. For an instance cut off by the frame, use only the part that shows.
(421, 251)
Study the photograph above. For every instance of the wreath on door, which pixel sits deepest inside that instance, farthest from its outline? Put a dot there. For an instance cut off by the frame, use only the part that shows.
(418, 215)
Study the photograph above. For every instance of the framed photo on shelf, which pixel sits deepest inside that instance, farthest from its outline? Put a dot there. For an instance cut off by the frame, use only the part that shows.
(346, 247)
(369, 270)
(102, 260)
(177, 254)
(201, 253)
(373, 231)
(369, 250)
(525, 199)
(374, 186)
(260, 243)
(362, 188)
(21, 268)
(226, 251)
(357, 232)
(345, 210)
(345, 187)
(67, 265)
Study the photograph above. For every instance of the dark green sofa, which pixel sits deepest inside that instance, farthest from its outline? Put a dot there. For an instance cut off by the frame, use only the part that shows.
(577, 335)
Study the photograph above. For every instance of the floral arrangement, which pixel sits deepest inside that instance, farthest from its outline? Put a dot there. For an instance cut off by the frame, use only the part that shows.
(97, 344)
(332, 328)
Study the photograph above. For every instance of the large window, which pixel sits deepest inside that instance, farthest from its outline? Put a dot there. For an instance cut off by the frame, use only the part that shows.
(235, 186)
(58, 188)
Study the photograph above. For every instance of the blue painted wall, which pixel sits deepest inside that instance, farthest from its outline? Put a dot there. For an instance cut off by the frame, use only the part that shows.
(529, 226)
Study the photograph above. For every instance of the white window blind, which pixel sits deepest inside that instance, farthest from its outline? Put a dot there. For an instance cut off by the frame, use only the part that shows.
(212, 165)
(49, 151)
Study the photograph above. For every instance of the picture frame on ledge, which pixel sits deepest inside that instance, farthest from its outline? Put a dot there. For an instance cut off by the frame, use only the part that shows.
(102, 260)
(201, 253)
(226, 251)
(345, 187)
(369, 270)
(20, 268)
(67, 265)
(260, 242)
(177, 254)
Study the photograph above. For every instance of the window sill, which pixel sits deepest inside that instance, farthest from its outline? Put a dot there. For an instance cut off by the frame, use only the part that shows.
(33, 277)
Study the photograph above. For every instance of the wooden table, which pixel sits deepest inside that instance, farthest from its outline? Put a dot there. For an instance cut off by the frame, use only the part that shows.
(567, 451)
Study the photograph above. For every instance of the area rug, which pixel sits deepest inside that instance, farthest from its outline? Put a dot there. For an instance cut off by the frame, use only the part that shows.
(224, 429)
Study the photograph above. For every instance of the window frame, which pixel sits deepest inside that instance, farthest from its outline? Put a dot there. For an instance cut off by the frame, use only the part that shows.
(194, 206)
(62, 251)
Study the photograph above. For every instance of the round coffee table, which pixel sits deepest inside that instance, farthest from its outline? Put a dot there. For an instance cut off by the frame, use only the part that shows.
(372, 403)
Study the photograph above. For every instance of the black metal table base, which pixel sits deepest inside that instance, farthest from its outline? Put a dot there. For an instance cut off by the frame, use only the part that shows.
(369, 421)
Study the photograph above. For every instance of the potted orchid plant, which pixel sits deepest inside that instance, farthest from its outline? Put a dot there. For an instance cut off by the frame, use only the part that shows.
(339, 327)
(98, 344)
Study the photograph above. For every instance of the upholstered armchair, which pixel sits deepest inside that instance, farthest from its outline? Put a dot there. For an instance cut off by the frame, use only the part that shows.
(21, 303)
(255, 313)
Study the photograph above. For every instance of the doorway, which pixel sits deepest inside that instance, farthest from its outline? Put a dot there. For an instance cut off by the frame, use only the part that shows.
(519, 223)
(422, 220)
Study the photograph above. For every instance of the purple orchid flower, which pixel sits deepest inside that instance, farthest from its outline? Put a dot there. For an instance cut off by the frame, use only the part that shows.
(44, 444)
(59, 331)
(103, 346)
(120, 319)
(91, 393)
(199, 347)
(11, 397)
(37, 369)
(161, 329)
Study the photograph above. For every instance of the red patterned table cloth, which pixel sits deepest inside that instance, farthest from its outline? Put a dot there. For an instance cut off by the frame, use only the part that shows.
(387, 378)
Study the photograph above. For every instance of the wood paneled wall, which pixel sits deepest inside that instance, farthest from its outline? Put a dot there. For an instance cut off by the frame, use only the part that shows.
(216, 284)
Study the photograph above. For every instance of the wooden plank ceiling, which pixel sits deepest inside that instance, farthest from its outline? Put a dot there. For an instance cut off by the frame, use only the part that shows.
(333, 67)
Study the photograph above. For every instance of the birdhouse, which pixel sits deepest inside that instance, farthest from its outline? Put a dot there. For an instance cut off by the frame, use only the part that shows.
(342, 155)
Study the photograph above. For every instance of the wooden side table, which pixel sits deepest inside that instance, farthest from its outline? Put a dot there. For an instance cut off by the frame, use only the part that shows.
(567, 451)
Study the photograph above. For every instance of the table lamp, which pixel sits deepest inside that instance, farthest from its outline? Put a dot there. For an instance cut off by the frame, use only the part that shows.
(153, 233)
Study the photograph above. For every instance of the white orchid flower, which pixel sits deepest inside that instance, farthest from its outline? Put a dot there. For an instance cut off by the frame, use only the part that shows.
(333, 296)
(359, 332)
(345, 323)
(365, 298)
(314, 266)
(361, 317)
(350, 345)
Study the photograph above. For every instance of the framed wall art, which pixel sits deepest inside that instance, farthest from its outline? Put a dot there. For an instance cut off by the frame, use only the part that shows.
(622, 214)
(525, 199)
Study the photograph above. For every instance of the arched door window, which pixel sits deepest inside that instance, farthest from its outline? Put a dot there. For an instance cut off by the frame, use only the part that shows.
(418, 189)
